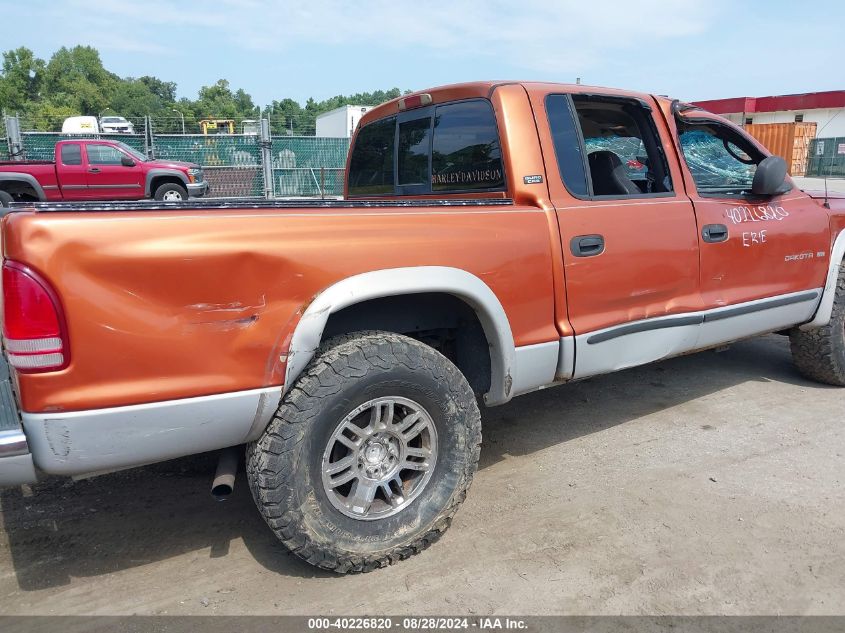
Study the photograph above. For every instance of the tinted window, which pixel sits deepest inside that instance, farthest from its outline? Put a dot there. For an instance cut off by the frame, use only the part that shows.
(466, 153)
(570, 160)
(71, 154)
(371, 165)
(103, 155)
(624, 154)
(719, 159)
(414, 148)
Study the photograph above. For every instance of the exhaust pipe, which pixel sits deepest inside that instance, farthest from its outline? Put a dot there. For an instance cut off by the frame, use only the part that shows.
(224, 478)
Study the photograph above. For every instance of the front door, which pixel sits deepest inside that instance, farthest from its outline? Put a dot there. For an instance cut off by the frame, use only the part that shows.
(108, 177)
(767, 255)
(627, 230)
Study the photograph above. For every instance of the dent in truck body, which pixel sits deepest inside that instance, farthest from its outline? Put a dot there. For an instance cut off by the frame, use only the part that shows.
(157, 313)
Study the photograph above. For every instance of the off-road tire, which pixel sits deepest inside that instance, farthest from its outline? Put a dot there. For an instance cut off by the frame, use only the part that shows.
(820, 354)
(6, 199)
(284, 465)
(169, 187)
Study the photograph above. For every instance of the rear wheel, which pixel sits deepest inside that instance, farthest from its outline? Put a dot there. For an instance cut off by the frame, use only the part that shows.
(369, 455)
(820, 354)
(171, 192)
(6, 199)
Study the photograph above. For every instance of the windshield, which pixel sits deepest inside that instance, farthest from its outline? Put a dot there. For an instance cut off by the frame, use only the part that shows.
(113, 119)
(134, 153)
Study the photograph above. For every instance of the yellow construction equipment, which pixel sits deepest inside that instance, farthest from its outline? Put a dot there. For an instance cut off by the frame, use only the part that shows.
(217, 126)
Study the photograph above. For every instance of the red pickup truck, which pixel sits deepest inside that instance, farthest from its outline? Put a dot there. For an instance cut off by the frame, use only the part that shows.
(495, 239)
(89, 169)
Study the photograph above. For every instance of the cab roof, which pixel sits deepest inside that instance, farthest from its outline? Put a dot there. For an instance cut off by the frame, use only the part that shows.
(484, 89)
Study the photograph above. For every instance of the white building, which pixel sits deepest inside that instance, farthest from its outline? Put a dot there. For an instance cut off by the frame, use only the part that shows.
(340, 122)
(825, 109)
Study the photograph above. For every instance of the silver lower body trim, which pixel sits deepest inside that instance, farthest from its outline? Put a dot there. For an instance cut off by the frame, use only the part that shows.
(534, 366)
(81, 442)
(641, 342)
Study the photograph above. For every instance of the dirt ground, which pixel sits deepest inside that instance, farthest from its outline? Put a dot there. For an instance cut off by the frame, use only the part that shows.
(706, 484)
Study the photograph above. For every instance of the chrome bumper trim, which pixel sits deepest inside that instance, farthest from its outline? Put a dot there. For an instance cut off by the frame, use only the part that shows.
(13, 443)
(197, 189)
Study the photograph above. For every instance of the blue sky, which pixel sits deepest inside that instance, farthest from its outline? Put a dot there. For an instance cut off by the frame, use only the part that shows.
(690, 49)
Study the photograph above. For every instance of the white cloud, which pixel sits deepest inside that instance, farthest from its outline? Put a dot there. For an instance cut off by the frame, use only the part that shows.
(534, 35)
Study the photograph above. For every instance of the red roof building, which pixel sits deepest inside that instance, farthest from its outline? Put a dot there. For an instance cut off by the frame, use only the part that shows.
(826, 109)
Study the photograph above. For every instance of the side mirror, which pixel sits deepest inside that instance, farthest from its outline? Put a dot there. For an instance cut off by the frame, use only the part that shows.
(769, 177)
(128, 162)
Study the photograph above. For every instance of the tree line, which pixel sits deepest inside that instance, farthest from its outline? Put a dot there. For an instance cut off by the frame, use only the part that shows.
(75, 82)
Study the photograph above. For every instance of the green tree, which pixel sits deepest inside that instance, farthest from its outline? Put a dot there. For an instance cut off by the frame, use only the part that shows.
(164, 90)
(20, 80)
(75, 82)
(75, 77)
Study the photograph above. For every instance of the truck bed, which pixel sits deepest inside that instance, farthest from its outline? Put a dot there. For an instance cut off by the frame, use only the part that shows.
(250, 203)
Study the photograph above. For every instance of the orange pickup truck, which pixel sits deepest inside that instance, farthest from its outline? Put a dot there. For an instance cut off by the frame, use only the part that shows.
(494, 239)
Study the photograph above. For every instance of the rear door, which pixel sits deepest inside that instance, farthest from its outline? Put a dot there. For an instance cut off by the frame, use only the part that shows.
(627, 230)
(765, 256)
(71, 171)
(108, 177)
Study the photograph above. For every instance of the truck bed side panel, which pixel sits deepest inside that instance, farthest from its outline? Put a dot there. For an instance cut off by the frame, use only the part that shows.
(164, 305)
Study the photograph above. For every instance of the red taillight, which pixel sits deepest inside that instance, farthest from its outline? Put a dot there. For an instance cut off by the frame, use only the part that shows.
(33, 323)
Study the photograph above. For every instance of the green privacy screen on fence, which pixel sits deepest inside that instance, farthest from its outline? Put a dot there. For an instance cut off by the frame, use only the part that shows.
(4, 143)
(42, 145)
(308, 165)
(827, 157)
(232, 162)
(301, 165)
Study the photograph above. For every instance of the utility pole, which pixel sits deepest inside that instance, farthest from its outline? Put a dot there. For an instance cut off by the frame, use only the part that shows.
(183, 118)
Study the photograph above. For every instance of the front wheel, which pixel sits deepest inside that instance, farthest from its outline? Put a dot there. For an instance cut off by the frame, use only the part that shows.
(6, 199)
(171, 192)
(820, 354)
(369, 455)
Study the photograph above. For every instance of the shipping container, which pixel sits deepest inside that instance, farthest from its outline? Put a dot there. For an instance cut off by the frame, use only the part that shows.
(791, 141)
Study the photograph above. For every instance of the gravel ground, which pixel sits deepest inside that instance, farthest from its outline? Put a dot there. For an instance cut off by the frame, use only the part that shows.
(707, 484)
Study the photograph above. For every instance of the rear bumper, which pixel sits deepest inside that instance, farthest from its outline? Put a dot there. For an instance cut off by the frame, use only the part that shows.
(85, 442)
(16, 464)
(197, 189)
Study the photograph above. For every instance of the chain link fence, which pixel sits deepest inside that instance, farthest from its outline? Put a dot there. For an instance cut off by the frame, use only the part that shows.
(827, 157)
(4, 146)
(308, 166)
(235, 165)
(232, 162)
(42, 145)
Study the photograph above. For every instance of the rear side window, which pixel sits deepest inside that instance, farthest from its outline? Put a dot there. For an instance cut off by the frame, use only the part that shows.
(466, 155)
(71, 154)
(448, 148)
(570, 158)
(371, 164)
